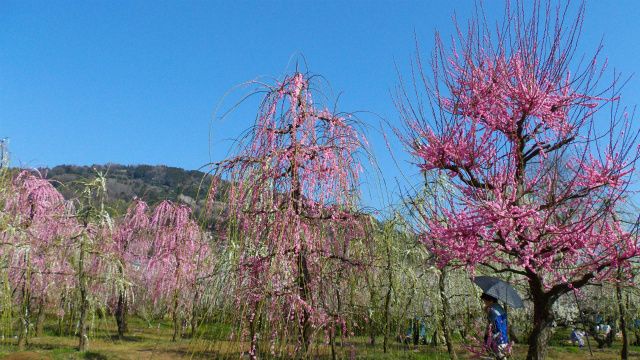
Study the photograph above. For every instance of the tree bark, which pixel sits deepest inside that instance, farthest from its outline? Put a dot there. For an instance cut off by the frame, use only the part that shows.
(84, 301)
(372, 333)
(332, 341)
(41, 316)
(542, 319)
(121, 314)
(624, 353)
(121, 308)
(434, 339)
(304, 276)
(373, 306)
(304, 292)
(253, 336)
(446, 314)
(174, 315)
(25, 305)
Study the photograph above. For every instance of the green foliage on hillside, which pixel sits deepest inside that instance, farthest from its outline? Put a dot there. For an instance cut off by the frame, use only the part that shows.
(150, 183)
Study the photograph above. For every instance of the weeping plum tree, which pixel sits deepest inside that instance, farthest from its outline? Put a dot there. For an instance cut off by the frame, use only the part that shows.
(514, 120)
(37, 212)
(129, 241)
(173, 260)
(293, 191)
(91, 268)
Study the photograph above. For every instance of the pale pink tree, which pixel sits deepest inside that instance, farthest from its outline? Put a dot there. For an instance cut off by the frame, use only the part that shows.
(173, 262)
(130, 240)
(513, 119)
(40, 224)
(293, 190)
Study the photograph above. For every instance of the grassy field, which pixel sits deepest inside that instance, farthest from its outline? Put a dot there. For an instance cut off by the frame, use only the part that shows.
(154, 342)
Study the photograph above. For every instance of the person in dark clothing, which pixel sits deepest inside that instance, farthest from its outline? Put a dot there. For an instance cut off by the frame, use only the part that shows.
(496, 335)
(611, 335)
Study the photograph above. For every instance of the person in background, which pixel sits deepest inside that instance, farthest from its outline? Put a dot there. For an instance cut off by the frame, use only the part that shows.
(577, 337)
(496, 335)
(611, 335)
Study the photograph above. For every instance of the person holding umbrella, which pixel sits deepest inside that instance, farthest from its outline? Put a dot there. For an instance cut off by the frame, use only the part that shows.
(496, 335)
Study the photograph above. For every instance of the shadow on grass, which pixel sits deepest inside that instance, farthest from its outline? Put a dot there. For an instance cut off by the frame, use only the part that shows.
(126, 338)
(191, 354)
(92, 355)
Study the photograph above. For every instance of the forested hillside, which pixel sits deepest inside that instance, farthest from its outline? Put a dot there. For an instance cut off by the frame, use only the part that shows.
(151, 183)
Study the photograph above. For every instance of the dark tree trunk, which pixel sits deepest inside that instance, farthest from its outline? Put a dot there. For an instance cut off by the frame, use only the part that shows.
(446, 314)
(304, 291)
(40, 317)
(332, 341)
(121, 308)
(624, 353)
(542, 319)
(415, 324)
(176, 319)
(372, 333)
(253, 352)
(121, 314)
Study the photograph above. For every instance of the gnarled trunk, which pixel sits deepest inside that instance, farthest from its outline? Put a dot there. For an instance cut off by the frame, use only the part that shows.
(121, 314)
(542, 319)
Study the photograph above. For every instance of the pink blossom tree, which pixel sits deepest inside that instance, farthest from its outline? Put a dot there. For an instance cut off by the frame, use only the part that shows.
(513, 119)
(292, 196)
(130, 241)
(38, 217)
(174, 259)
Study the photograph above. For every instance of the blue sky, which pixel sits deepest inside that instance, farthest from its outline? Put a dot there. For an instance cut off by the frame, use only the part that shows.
(136, 82)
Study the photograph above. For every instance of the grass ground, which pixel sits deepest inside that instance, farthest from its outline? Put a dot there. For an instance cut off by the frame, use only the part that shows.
(144, 342)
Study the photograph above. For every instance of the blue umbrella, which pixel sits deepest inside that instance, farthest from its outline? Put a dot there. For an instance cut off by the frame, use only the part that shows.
(500, 290)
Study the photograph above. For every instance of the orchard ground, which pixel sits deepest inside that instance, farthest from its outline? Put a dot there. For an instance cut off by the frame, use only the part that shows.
(154, 342)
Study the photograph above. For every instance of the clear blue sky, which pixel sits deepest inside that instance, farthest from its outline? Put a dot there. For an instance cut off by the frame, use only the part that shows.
(136, 82)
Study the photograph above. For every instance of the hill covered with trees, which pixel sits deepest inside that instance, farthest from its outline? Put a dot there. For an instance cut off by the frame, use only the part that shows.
(151, 183)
